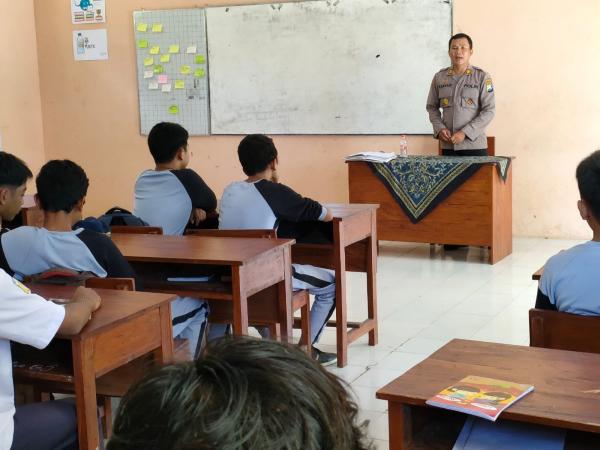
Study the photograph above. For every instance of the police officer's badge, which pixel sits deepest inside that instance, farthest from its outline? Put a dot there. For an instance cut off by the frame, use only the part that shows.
(445, 102)
(488, 85)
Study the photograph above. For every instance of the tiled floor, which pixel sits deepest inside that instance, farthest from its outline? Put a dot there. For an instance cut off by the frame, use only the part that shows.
(425, 299)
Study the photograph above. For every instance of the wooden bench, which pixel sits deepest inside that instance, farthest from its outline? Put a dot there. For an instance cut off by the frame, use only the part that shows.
(564, 331)
(135, 230)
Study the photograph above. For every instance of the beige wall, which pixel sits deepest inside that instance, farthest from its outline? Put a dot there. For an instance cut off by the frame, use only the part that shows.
(542, 76)
(20, 104)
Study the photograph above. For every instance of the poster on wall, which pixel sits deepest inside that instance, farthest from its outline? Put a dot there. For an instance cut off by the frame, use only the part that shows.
(90, 45)
(88, 11)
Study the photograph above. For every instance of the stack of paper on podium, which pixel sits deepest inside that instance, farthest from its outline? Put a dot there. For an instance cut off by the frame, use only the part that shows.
(379, 157)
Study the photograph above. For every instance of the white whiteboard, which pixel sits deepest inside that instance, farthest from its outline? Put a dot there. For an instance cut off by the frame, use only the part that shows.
(325, 67)
(186, 99)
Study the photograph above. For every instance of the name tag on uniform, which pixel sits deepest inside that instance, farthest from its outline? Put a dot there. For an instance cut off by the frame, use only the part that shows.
(21, 286)
(488, 85)
(445, 102)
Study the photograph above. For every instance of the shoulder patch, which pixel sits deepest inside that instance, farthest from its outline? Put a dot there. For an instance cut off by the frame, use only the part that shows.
(21, 286)
(488, 85)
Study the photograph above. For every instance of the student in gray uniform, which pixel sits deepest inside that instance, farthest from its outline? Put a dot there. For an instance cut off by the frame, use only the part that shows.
(174, 197)
(261, 201)
(465, 94)
(243, 394)
(171, 196)
(14, 174)
(570, 281)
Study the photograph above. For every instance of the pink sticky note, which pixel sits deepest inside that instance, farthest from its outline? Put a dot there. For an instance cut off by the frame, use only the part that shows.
(163, 79)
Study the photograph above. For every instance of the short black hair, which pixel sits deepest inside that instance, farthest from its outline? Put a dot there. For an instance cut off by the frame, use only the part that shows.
(60, 185)
(244, 394)
(256, 152)
(460, 36)
(588, 181)
(13, 171)
(165, 139)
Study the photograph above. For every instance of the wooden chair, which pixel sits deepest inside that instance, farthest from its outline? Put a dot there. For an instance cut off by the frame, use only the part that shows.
(491, 142)
(300, 299)
(564, 331)
(135, 230)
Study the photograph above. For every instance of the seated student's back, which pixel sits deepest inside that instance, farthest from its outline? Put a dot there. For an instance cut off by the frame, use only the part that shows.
(61, 190)
(570, 281)
(171, 196)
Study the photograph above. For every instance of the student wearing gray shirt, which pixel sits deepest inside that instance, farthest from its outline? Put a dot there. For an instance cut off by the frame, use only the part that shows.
(570, 281)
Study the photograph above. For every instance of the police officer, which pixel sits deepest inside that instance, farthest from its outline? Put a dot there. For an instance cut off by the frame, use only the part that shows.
(466, 96)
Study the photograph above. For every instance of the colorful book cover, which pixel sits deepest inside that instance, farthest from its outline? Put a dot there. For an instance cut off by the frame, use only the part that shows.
(479, 396)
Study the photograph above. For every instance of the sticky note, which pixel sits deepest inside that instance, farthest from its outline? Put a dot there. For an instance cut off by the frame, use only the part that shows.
(142, 43)
(165, 58)
(174, 48)
(200, 59)
(179, 84)
(155, 50)
(166, 88)
(162, 79)
(191, 49)
(153, 85)
(148, 61)
(199, 73)
(173, 109)
(158, 69)
(185, 70)
(148, 73)
(142, 27)
(157, 27)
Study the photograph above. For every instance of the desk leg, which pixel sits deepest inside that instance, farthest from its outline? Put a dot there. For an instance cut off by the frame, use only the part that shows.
(284, 297)
(372, 280)
(240, 302)
(340, 294)
(85, 392)
(164, 354)
(399, 426)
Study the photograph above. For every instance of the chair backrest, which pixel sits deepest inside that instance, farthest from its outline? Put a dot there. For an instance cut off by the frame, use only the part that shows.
(266, 233)
(60, 276)
(564, 331)
(135, 229)
(491, 142)
(120, 284)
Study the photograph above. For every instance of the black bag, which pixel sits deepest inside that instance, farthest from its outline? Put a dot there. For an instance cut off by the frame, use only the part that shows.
(121, 217)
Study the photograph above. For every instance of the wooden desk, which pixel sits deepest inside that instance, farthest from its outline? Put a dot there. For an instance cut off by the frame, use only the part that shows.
(127, 325)
(537, 274)
(256, 264)
(478, 213)
(565, 396)
(355, 249)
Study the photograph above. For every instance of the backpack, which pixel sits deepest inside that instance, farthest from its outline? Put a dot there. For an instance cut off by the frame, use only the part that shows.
(120, 216)
(60, 276)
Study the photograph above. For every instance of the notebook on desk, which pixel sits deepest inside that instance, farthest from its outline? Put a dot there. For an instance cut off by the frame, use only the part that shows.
(480, 396)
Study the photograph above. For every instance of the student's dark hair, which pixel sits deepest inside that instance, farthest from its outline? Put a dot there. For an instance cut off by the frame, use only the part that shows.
(588, 180)
(244, 394)
(165, 139)
(60, 185)
(460, 36)
(13, 171)
(256, 152)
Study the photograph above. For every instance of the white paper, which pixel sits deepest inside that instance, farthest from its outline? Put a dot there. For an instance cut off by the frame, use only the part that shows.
(88, 11)
(148, 73)
(191, 49)
(90, 45)
(153, 85)
(166, 87)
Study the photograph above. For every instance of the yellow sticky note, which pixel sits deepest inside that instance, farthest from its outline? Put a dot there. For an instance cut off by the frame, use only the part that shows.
(157, 27)
(148, 61)
(174, 48)
(185, 70)
(200, 59)
(155, 50)
(165, 58)
(158, 69)
(199, 73)
(179, 84)
(142, 43)
(173, 109)
(142, 27)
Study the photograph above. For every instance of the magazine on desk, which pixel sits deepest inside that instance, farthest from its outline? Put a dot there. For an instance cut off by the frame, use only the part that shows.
(479, 396)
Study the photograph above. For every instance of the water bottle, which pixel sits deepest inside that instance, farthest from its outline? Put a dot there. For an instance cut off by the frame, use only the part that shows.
(80, 44)
(403, 146)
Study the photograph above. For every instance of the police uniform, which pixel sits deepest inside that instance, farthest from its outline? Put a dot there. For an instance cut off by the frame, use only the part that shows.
(467, 103)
